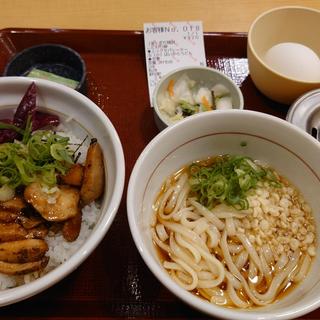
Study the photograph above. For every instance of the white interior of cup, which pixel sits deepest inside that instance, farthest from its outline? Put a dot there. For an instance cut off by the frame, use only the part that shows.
(290, 151)
(84, 118)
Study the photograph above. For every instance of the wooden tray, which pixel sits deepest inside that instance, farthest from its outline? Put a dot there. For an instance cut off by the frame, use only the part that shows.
(114, 281)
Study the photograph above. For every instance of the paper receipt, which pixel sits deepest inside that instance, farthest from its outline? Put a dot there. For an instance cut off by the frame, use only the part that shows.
(171, 45)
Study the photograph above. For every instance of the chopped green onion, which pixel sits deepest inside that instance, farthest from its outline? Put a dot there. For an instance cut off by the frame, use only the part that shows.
(60, 153)
(228, 179)
(11, 127)
(243, 143)
(28, 130)
(25, 171)
(39, 156)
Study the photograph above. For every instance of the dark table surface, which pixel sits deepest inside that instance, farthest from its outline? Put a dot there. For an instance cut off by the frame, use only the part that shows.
(114, 281)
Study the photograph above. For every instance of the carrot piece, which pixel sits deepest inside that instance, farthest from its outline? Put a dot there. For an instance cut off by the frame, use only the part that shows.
(171, 88)
(206, 103)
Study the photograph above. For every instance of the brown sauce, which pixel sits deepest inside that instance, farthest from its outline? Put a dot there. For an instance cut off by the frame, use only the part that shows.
(262, 286)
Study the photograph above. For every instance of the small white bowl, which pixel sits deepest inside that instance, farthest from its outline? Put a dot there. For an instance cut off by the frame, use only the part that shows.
(288, 149)
(83, 117)
(202, 75)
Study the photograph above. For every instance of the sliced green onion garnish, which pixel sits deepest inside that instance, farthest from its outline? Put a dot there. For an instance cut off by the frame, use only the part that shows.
(60, 153)
(27, 131)
(228, 179)
(40, 156)
(11, 127)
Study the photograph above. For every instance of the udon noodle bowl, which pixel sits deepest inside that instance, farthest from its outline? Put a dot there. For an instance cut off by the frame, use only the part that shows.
(233, 231)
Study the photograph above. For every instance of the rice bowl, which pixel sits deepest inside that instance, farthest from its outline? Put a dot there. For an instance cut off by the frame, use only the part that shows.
(74, 109)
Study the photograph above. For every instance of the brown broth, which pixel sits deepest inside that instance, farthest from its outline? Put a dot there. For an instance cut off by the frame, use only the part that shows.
(263, 286)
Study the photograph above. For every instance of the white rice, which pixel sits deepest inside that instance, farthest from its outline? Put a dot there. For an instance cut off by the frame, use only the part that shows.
(74, 141)
(7, 281)
(60, 250)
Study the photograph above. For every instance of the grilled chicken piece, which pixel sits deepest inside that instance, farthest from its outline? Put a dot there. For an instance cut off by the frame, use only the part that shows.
(22, 251)
(16, 204)
(30, 221)
(74, 176)
(23, 268)
(12, 232)
(38, 232)
(93, 176)
(8, 216)
(60, 206)
(71, 228)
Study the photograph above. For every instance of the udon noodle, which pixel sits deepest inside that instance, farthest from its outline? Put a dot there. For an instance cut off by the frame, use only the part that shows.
(234, 257)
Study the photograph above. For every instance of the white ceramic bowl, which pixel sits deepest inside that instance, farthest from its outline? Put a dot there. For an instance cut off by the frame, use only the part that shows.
(288, 149)
(86, 115)
(204, 76)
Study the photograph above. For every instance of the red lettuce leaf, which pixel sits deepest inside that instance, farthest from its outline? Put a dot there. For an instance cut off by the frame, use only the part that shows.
(42, 119)
(27, 106)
